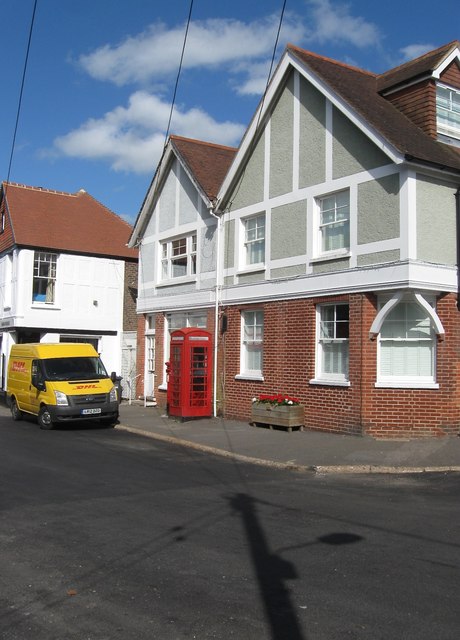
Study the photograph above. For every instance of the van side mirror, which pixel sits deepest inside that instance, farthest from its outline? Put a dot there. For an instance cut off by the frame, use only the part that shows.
(113, 376)
(38, 383)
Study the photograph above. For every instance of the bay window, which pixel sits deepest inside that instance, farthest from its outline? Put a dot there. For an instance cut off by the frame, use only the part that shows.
(448, 111)
(407, 346)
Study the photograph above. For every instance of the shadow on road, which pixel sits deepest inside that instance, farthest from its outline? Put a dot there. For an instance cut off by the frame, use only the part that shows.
(273, 572)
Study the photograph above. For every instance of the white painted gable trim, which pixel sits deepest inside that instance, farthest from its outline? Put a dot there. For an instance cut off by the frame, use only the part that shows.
(259, 119)
(446, 62)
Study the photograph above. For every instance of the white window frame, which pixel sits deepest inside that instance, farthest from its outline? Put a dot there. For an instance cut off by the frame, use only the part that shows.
(386, 306)
(321, 375)
(323, 226)
(41, 258)
(150, 343)
(443, 129)
(255, 341)
(171, 252)
(248, 242)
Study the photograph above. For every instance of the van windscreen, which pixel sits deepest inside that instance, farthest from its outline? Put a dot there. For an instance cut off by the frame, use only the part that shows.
(73, 369)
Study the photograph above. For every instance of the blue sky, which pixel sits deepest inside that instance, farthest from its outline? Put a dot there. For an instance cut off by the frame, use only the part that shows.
(101, 75)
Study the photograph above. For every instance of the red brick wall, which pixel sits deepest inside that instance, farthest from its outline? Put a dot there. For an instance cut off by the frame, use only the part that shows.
(418, 103)
(422, 412)
(289, 360)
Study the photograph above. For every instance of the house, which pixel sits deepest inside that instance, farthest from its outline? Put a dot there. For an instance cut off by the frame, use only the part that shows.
(336, 277)
(177, 233)
(66, 273)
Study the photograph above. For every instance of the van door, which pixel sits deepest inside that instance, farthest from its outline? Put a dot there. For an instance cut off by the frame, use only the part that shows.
(34, 393)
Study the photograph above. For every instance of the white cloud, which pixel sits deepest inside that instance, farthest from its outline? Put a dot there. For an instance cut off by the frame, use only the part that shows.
(212, 43)
(415, 50)
(131, 138)
(333, 23)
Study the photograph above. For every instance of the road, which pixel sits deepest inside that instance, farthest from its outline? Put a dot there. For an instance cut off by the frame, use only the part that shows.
(105, 535)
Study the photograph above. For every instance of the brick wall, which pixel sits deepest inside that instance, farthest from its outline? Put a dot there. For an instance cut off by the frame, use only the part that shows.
(129, 297)
(421, 412)
(361, 408)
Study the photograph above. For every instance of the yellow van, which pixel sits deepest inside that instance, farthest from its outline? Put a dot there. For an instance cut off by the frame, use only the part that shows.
(60, 383)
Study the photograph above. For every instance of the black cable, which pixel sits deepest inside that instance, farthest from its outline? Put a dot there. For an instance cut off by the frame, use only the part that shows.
(254, 139)
(179, 72)
(21, 92)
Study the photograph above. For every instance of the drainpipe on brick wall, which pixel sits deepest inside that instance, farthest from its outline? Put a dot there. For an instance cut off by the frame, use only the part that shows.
(457, 218)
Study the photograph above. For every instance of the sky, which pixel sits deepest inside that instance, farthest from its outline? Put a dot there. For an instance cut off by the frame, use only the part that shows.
(100, 77)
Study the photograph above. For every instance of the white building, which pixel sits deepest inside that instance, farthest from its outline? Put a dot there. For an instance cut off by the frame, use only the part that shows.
(66, 274)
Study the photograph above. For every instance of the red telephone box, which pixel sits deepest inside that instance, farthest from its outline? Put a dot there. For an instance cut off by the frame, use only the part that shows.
(189, 373)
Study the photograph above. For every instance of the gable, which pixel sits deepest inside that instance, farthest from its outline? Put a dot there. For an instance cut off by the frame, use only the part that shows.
(352, 149)
(249, 187)
(312, 166)
(281, 140)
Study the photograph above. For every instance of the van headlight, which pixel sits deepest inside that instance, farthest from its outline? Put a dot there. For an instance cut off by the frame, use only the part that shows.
(61, 399)
(113, 396)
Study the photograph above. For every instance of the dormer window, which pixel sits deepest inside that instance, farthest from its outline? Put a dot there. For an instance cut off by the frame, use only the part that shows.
(448, 111)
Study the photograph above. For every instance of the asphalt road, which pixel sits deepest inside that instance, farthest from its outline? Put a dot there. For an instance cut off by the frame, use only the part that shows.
(105, 535)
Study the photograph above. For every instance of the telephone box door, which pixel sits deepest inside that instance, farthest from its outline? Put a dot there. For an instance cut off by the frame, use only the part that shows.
(189, 373)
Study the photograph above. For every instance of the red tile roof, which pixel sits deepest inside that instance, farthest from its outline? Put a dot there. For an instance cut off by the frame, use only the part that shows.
(418, 68)
(207, 162)
(360, 90)
(71, 222)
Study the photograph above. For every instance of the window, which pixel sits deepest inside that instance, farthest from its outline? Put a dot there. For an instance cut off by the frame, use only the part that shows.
(332, 345)
(44, 283)
(178, 258)
(448, 111)
(334, 222)
(254, 240)
(150, 342)
(252, 342)
(407, 345)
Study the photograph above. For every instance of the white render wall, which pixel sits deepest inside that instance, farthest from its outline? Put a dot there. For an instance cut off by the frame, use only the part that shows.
(89, 297)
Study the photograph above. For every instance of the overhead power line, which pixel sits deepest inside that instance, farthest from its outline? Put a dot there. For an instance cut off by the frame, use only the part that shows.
(179, 71)
(21, 91)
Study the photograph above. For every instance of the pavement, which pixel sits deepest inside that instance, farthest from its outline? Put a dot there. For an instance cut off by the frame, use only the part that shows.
(296, 450)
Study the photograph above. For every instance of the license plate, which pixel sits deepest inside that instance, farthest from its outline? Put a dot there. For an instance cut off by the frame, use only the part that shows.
(86, 412)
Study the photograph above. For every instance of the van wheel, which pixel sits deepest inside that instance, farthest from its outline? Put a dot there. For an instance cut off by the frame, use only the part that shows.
(44, 418)
(16, 413)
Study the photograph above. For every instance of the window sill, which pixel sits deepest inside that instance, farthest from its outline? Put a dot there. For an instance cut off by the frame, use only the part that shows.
(250, 376)
(45, 305)
(251, 269)
(407, 385)
(333, 255)
(330, 382)
(176, 281)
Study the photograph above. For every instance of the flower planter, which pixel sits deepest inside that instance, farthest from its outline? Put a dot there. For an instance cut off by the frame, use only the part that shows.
(286, 416)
